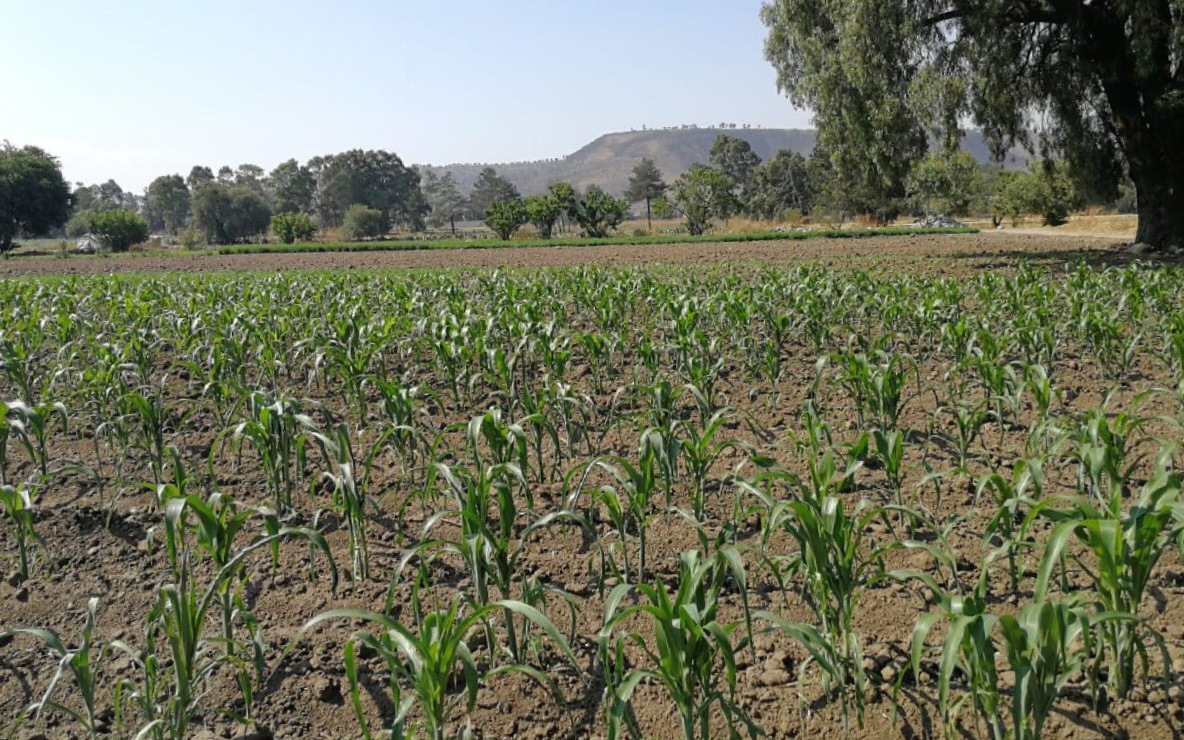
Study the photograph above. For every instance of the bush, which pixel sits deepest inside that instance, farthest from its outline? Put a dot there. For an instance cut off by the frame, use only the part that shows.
(505, 217)
(119, 230)
(362, 222)
(81, 224)
(290, 228)
(599, 213)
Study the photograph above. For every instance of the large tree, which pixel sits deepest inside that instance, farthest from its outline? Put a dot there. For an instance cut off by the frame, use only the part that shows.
(293, 187)
(735, 158)
(229, 213)
(1104, 77)
(781, 185)
(646, 184)
(168, 202)
(490, 188)
(34, 197)
(702, 194)
(376, 179)
(443, 198)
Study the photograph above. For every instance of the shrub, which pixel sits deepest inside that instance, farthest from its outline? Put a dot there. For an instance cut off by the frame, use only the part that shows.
(119, 230)
(362, 222)
(290, 228)
(505, 217)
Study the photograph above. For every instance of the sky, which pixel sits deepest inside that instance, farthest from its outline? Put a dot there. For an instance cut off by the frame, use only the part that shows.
(133, 89)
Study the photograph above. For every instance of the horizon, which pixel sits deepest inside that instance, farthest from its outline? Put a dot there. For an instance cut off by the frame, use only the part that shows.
(142, 90)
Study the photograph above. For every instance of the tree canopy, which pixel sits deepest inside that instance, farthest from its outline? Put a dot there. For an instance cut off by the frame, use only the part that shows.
(490, 188)
(1104, 78)
(34, 197)
(168, 202)
(646, 184)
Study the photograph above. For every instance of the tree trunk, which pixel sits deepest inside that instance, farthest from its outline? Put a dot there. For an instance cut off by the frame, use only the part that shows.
(649, 219)
(1161, 212)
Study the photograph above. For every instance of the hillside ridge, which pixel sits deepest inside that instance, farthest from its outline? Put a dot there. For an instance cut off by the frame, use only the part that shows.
(608, 160)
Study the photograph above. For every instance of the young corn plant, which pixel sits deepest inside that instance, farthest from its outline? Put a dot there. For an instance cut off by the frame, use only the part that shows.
(1012, 497)
(17, 506)
(277, 432)
(832, 559)
(1124, 544)
(876, 384)
(427, 661)
(82, 663)
(32, 426)
(700, 450)
(693, 654)
(1045, 645)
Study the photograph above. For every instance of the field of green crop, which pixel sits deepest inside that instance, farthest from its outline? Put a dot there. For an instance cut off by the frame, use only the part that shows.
(651, 502)
(411, 244)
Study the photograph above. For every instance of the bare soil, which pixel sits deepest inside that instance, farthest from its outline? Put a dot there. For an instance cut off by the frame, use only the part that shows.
(920, 254)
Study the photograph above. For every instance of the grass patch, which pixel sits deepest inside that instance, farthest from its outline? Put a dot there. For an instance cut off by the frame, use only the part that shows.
(401, 246)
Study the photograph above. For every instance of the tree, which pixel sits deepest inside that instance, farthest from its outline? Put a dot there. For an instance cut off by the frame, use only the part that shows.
(598, 213)
(1047, 190)
(376, 179)
(363, 222)
(734, 157)
(781, 185)
(646, 184)
(168, 202)
(293, 187)
(490, 188)
(505, 217)
(226, 214)
(1104, 79)
(199, 176)
(946, 182)
(444, 199)
(565, 195)
(543, 212)
(290, 228)
(703, 193)
(119, 230)
(34, 197)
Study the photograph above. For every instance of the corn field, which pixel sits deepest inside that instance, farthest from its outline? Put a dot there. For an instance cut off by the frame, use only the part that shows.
(652, 502)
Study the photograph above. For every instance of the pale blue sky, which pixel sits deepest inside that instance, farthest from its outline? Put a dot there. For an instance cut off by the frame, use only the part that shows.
(132, 89)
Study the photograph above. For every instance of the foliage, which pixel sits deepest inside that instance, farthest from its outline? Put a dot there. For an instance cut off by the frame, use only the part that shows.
(646, 184)
(362, 222)
(599, 213)
(703, 194)
(490, 188)
(1081, 75)
(120, 230)
(34, 197)
(505, 217)
(293, 187)
(782, 185)
(543, 212)
(290, 228)
(444, 199)
(735, 158)
(167, 199)
(947, 183)
(376, 179)
(226, 214)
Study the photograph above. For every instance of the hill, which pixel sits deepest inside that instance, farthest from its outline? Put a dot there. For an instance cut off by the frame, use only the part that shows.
(607, 161)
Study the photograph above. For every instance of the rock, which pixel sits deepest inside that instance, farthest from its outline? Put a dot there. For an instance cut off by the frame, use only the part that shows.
(938, 222)
(1139, 248)
(888, 673)
(773, 677)
(22, 594)
(327, 691)
(1157, 697)
(1176, 694)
